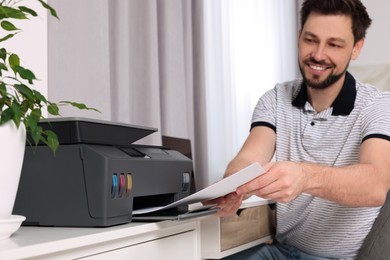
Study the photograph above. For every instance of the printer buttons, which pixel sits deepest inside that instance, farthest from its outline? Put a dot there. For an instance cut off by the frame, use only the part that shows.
(114, 186)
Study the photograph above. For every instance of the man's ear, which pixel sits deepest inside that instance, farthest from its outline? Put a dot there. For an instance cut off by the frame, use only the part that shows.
(357, 48)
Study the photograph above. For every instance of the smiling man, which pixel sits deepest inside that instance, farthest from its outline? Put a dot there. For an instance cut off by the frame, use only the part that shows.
(330, 135)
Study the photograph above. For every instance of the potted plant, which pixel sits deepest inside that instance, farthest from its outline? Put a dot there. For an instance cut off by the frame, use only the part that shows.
(21, 108)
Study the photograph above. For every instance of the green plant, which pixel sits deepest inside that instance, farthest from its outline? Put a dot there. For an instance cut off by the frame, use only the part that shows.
(19, 101)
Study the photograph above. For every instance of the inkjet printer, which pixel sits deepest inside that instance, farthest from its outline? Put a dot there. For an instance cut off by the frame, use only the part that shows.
(97, 176)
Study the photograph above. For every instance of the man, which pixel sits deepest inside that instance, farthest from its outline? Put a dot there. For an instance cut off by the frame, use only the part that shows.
(330, 135)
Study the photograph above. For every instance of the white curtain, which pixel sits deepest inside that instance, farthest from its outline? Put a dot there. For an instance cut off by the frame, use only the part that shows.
(250, 45)
(138, 61)
(192, 69)
(130, 59)
(151, 65)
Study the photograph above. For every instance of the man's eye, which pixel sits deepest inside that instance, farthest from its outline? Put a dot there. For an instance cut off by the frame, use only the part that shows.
(309, 40)
(334, 45)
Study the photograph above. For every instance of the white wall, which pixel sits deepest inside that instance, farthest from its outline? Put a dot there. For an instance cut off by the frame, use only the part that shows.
(376, 49)
(373, 64)
(31, 45)
(79, 64)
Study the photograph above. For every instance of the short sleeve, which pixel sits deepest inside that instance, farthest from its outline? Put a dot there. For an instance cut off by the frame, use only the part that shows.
(376, 118)
(264, 113)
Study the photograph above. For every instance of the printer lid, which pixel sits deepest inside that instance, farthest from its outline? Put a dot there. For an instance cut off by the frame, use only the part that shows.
(76, 130)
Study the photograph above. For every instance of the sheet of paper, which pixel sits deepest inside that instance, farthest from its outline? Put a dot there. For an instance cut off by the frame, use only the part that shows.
(218, 189)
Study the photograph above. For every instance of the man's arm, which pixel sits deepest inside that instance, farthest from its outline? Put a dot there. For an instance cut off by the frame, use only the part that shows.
(363, 184)
(258, 147)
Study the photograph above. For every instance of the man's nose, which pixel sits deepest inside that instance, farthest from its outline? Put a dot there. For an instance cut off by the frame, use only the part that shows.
(319, 53)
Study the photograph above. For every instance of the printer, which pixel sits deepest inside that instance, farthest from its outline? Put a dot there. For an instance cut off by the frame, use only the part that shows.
(98, 176)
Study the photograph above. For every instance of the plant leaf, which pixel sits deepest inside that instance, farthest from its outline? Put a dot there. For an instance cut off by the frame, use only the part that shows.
(6, 115)
(35, 133)
(3, 88)
(31, 122)
(39, 97)
(8, 26)
(27, 10)
(24, 90)
(36, 114)
(13, 61)
(26, 74)
(16, 113)
(53, 109)
(2, 67)
(9, 12)
(51, 9)
(7, 37)
(52, 140)
(78, 105)
(2, 103)
(24, 106)
(3, 54)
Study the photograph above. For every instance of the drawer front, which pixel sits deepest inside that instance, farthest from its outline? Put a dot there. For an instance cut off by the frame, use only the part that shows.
(251, 224)
(180, 246)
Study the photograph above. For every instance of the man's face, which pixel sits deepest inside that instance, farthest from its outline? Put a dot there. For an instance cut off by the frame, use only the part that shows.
(326, 45)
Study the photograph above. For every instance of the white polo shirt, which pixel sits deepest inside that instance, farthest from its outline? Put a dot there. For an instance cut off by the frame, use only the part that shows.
(331, 137)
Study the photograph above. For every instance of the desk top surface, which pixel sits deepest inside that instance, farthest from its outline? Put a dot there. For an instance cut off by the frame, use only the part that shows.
(35, 241)
(30, 240)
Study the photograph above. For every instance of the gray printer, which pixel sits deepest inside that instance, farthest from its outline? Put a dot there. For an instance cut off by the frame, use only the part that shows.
(97, 176)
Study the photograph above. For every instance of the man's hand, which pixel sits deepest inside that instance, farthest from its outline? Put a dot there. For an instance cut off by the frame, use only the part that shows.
(282, 182)
(228, 205)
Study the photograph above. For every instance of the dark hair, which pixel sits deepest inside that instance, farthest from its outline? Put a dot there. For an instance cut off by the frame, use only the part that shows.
(353, 8)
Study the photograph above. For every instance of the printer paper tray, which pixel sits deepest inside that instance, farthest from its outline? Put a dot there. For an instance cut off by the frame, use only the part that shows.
(176, 214)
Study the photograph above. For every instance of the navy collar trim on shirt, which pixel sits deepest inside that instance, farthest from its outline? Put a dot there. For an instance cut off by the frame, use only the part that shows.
(344, 102)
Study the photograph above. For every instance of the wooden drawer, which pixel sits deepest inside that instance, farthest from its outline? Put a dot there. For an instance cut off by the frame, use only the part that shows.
(248, 225)
(254, 224)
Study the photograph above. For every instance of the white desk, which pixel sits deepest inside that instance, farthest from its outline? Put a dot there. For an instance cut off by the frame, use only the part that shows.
(173, 240)
(141, 241)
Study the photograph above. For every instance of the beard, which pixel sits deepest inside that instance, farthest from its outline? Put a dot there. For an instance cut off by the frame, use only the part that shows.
(315, 83)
